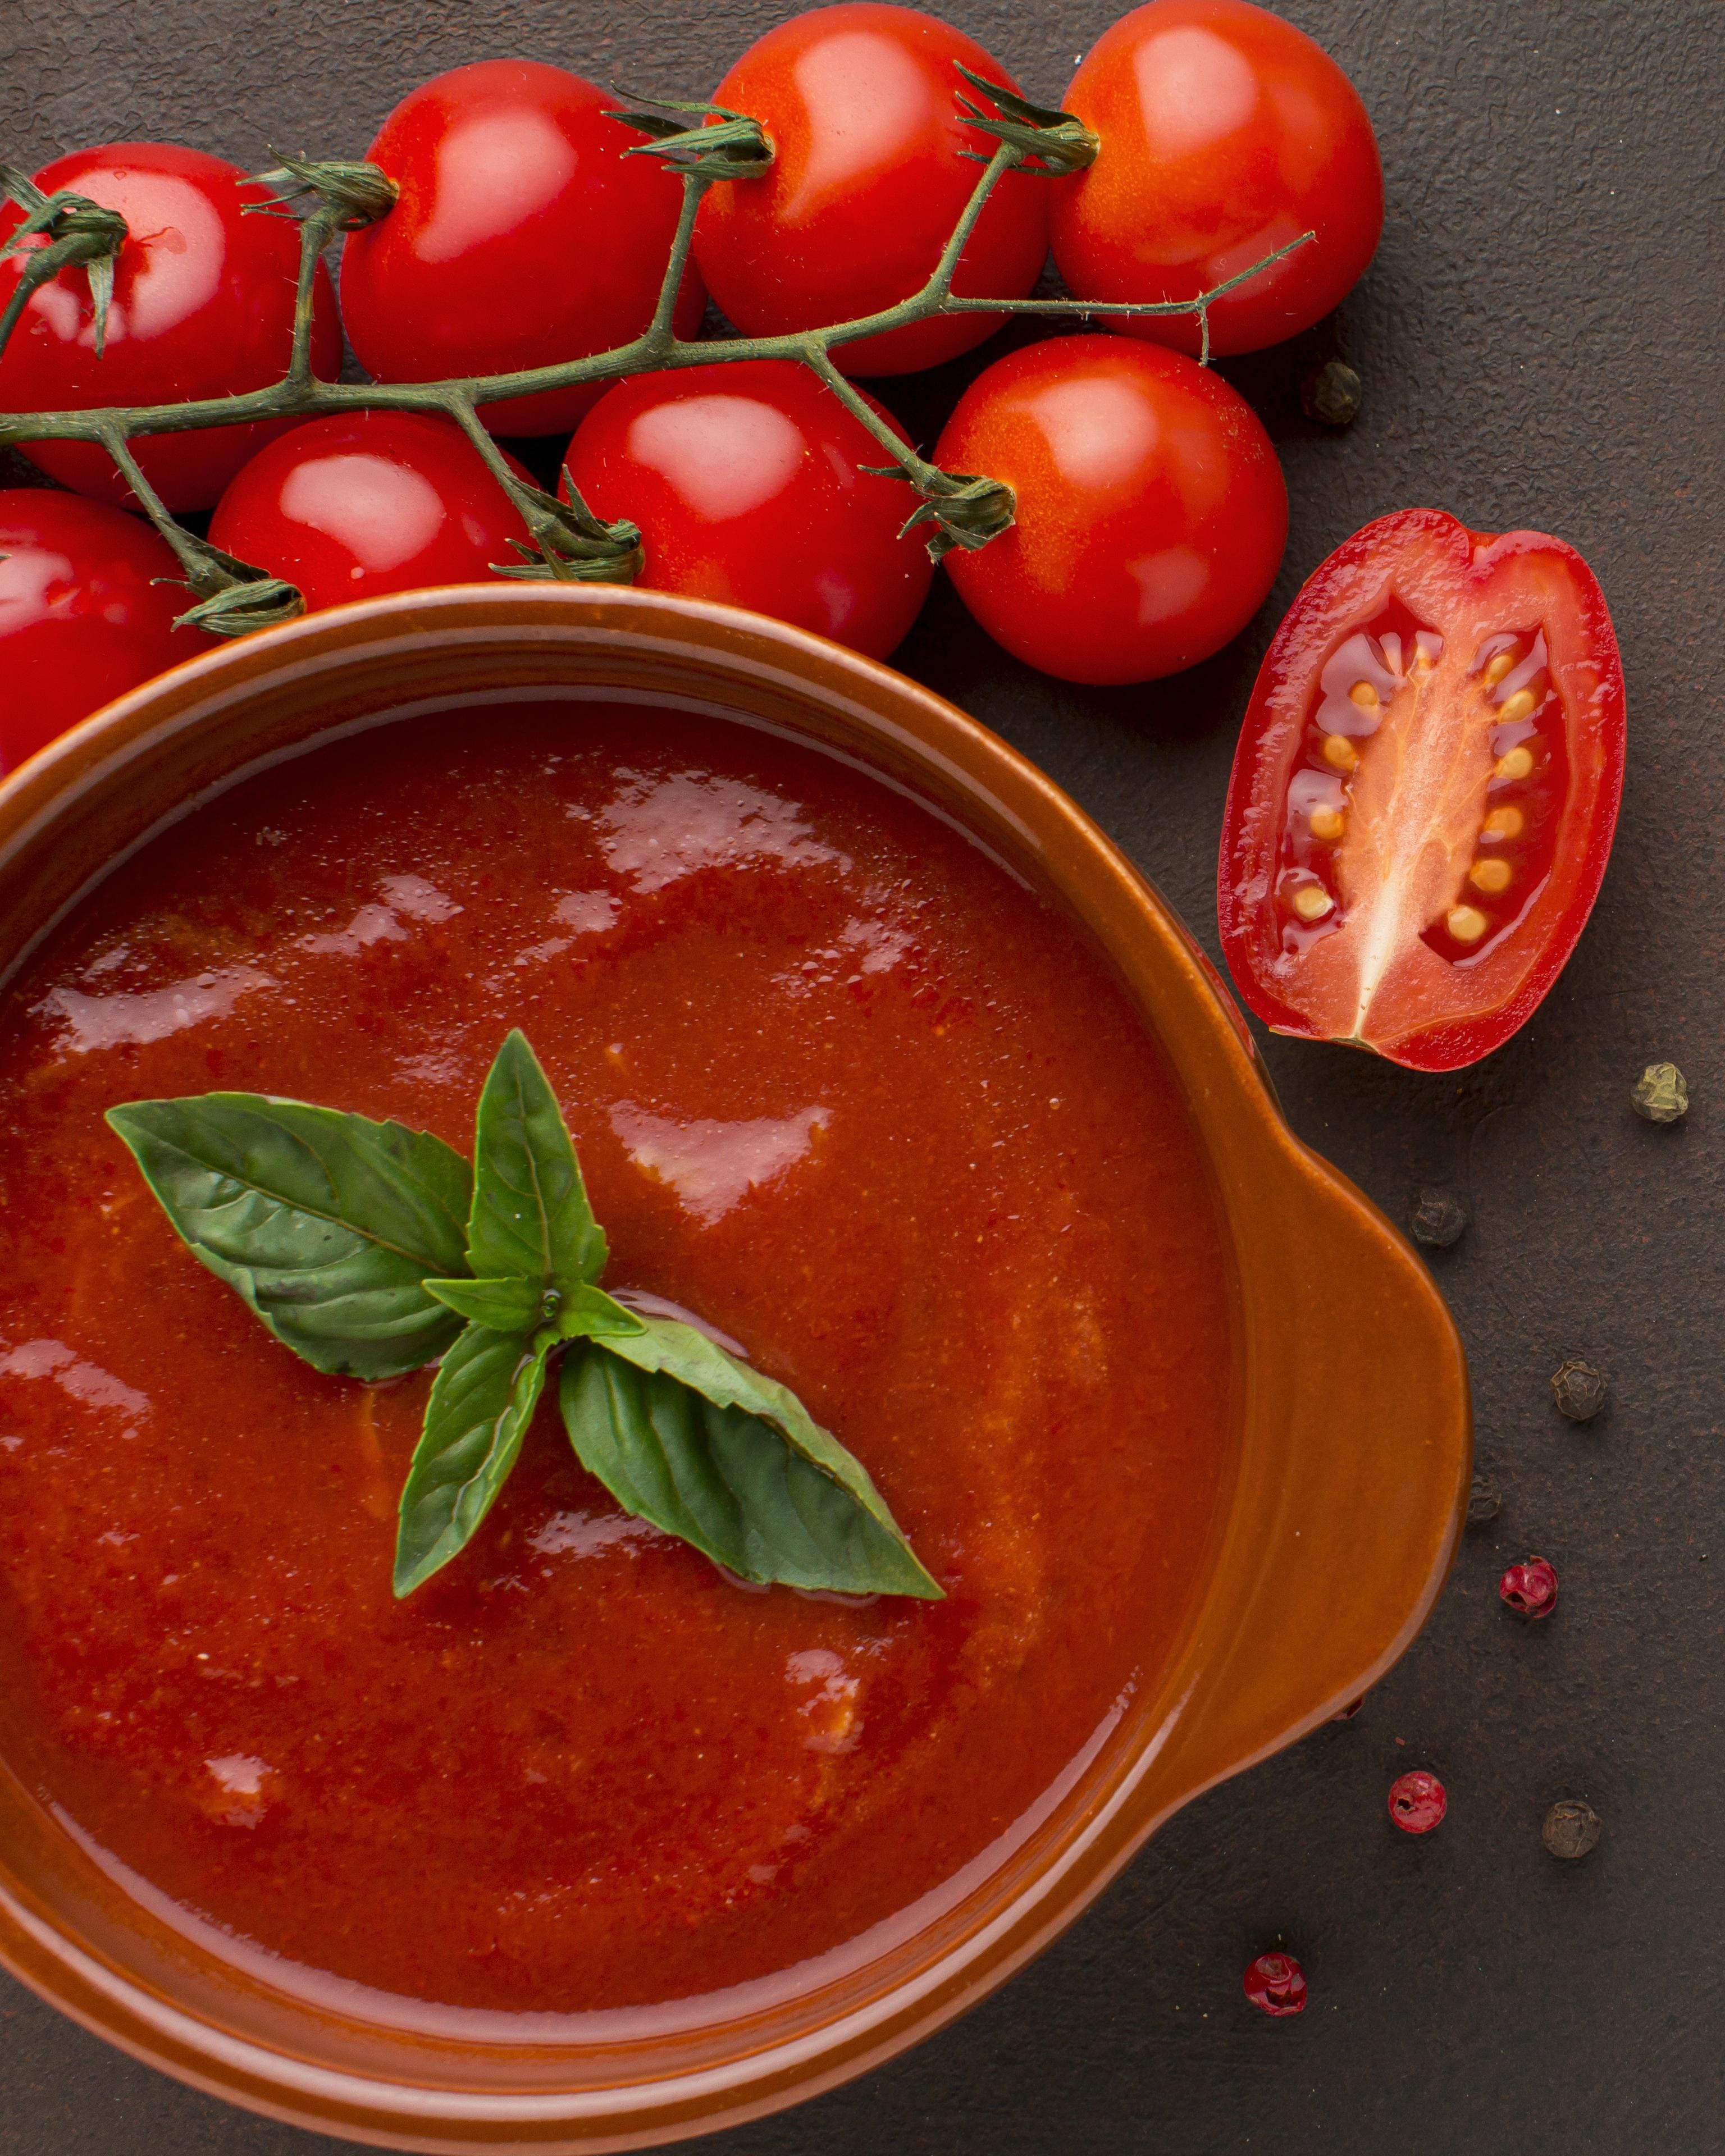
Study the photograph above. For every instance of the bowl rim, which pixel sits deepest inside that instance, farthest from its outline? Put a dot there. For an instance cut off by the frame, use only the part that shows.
(1269, 1650)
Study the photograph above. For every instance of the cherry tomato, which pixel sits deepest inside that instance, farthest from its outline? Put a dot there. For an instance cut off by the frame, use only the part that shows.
(1151, 511)
(868, 178)
(203, 306)
(523, 235)
(350, 507)
(745, 481)
(1424, 791)
(1225, 133)
(81, 619)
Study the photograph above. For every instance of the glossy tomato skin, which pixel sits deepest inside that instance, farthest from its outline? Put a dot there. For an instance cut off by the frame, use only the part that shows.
(523, 236)
(1151, 511)
(745, 481)
(203, 306)
(1396, 981)
(369, 502)
(1225, 133)
(81, 619)
(868, 178)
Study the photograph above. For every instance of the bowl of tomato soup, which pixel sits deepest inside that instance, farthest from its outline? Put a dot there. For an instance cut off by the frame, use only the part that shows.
(881, 1058)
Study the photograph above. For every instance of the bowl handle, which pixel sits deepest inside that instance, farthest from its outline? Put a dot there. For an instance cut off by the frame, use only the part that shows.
(1354, 1470)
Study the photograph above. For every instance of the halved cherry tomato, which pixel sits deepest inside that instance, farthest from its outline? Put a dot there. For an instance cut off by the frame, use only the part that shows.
(368, 502)
(747, 482)
(524, 234)
(203, 306)
(1225, 133)
(88, 598)
(872, 167)
(1424, 791)
(1151, 511)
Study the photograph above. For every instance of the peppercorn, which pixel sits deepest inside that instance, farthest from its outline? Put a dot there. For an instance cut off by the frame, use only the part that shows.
(1578, 1390)
(1571, 1828)
(1332, 394)
(1530, 1589)
(1438, 1220)
(1275, 1983)
(1418, 1802)
(1660, 1094)
(1483, 1503)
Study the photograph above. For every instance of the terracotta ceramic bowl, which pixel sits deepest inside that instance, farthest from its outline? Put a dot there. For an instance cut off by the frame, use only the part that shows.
(1349, 1449)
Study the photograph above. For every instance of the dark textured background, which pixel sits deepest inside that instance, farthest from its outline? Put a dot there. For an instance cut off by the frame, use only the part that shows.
(1539, 339)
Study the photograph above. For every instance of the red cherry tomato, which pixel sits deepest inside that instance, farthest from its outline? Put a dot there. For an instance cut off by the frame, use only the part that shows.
(1225, 133)
(523, 235)
(745, 481)
(869, 177)
(1151, 511)
(1424, 791)
(350, 507)
(81, 619)
(203, 306)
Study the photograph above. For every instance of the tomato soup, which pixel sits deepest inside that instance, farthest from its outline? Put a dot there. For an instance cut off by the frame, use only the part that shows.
(843, 1087)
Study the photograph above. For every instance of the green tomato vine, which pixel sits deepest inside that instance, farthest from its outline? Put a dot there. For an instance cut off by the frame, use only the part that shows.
(566, 541)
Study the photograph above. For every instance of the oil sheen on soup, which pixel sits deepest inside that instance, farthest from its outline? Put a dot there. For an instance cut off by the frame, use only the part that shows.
(841, 1085)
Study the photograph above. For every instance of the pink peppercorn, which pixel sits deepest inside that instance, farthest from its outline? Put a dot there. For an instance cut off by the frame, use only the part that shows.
(1418, 1802)
(1277, 1983)
(1530, 1589)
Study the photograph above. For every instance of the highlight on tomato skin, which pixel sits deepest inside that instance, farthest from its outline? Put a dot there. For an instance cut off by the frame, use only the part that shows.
(1424, 797)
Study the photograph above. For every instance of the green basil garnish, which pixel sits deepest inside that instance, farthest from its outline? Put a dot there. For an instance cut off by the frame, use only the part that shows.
(683, 1434)
(478, 1413)
(325, 1224)
(531, 1217)
(371, 1250)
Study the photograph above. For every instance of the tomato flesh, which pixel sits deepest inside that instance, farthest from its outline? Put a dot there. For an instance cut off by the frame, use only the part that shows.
(1425, 790)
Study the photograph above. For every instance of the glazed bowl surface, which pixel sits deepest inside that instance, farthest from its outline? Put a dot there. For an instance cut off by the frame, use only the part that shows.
(1349, 1439)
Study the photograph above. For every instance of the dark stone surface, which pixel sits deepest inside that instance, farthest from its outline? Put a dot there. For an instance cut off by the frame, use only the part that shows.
(1539, 340)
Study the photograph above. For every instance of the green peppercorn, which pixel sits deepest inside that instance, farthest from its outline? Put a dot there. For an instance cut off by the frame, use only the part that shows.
(1660, 1094)
(1578, 1390)
(1332, 394)
(1571, 1828)
(1483, 1503)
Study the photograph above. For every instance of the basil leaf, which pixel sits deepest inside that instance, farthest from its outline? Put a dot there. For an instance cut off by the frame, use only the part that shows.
(505, 1305)
(683, 1435)
(588, 1313)
(531, 1218)
(477, 1412)
(325, 1224)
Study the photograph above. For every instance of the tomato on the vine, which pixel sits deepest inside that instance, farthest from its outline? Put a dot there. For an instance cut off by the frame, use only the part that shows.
(746, 481)
(1225, 134)
(523, 235)
(1151, 512)
(1424, 791)
(88, 598)
(353, 506)
(203, 306)
(872, 167)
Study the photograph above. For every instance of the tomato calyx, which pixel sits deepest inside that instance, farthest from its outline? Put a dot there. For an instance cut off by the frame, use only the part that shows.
(721, 144)
(354, 194)
(80, 234)
(1058, 141)
(569, 544)
(965, 509)
(233, 597)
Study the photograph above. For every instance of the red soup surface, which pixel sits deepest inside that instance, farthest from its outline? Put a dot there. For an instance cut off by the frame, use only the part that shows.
(842, 1086)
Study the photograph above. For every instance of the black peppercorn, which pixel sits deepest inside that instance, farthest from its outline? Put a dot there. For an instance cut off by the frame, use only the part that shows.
(1660, 1094)
(1332, 394)
(1483, 1503)
(1571, 1828)
(1438, 1221)
(1578, 1390)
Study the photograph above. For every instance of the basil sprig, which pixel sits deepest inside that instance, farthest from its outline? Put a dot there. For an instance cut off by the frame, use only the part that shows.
(371, 1250)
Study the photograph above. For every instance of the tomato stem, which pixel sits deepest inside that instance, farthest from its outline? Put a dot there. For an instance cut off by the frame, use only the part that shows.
(568, 542)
